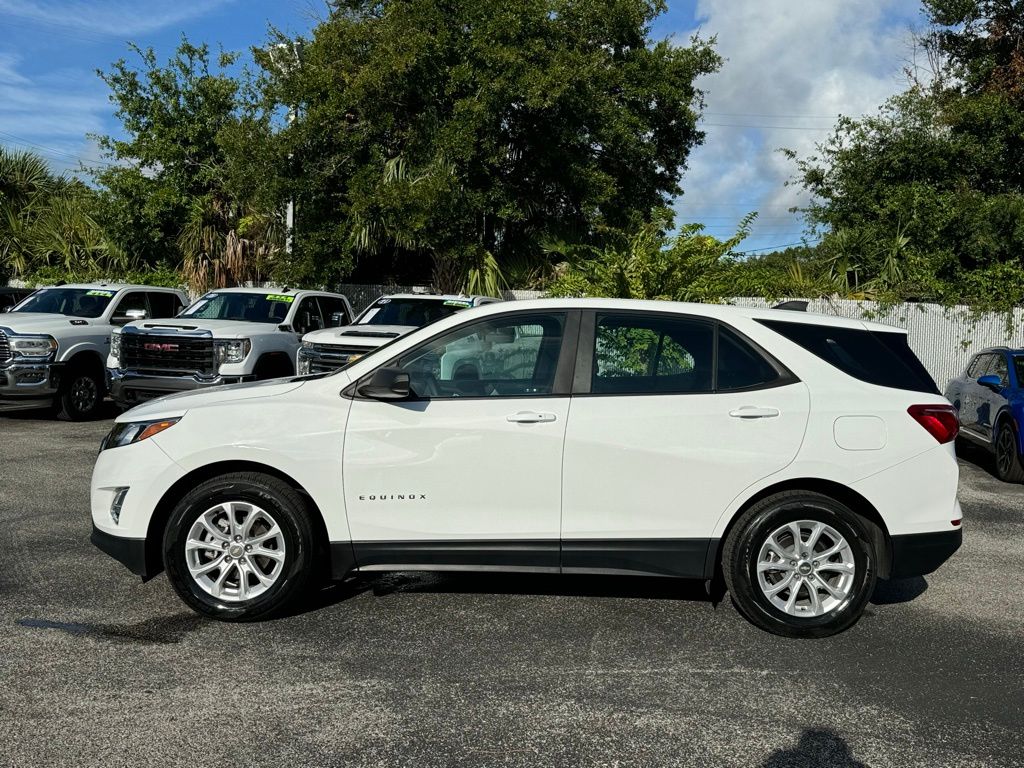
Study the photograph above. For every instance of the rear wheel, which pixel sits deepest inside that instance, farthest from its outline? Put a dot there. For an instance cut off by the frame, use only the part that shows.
(239, 547)
(81, 394)
(1008, 464)
(800, 564)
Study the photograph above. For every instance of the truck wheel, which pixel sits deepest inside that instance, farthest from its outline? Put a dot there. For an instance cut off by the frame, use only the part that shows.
(239, 547)
(81, 394)
(800, 564)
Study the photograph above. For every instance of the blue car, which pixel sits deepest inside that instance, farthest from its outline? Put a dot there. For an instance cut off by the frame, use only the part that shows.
(989, 399)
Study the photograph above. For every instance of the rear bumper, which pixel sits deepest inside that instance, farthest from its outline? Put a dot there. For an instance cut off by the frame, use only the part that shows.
(128, 388)
(918, 554)
(131, 553)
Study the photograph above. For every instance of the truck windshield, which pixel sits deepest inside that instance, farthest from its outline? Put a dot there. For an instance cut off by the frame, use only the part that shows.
(73, 302)
(243, 307)
(414, 312)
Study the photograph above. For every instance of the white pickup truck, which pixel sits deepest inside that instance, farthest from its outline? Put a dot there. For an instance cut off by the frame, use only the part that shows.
(228, 336)
(53, 343)
(386, 319)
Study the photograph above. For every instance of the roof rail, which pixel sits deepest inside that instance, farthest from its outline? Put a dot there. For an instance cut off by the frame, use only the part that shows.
(793, 306)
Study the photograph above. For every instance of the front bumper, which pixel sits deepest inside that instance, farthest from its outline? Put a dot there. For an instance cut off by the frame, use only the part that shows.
(131, 553)
(129, 388)
(918, 554)
(26, 384)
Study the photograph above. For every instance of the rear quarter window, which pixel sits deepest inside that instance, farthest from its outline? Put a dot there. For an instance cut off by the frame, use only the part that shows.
(876, 357)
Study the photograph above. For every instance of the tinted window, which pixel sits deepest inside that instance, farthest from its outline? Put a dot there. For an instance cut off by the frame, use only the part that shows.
(977, 366)
(334, 311)
(415, 312)
(498, 357)
(999, 368)
(75, 302)
(739, 365)
(135, 300)
(307, 317)
(1018, 368)
(639, 355)
(164, 304)
(877, 357)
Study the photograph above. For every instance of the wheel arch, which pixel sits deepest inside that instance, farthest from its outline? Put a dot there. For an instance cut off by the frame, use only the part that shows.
(837, 491)
(162, 511)
(86, 358)
(277, 362)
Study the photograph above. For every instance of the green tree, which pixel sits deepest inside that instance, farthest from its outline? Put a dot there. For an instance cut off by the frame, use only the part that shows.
(649, 263)
(48, 221)
(180, 192)
(926, 198)
(448, 139)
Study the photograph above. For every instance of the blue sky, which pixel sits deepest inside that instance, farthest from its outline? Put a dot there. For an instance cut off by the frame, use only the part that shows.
(792, 66)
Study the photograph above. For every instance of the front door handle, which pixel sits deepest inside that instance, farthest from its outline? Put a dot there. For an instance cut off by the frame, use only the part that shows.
(754, 412)
(530, 417)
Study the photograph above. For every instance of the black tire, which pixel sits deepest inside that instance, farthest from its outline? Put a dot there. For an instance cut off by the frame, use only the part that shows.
(745, 540)
(290, 513)
(1008, 464)
(81, 393)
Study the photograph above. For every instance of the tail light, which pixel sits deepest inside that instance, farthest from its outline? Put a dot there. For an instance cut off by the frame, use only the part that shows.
(940, 420)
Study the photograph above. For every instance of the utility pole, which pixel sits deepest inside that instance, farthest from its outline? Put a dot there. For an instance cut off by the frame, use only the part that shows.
(286, 58)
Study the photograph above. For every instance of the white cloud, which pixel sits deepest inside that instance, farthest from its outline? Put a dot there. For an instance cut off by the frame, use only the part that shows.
(791, 68)
(117, 18)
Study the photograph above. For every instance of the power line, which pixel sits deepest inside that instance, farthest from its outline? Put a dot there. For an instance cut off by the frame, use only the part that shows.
(28, 143)
(773, 248)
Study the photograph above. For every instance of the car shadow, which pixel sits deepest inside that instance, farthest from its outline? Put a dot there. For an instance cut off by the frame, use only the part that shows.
(453, 582)
(108, 411)
(895, 591)
(817, 747)
(977, 456)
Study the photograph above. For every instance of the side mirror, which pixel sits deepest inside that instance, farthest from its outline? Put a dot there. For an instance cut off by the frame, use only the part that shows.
(991, 381)
(7, 308)
(387, 384)
(130, 316)
(338, 320)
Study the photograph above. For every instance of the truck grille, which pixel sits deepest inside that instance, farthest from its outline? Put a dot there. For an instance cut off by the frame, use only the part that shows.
(5, 348)
(326, 358)
(152, 353)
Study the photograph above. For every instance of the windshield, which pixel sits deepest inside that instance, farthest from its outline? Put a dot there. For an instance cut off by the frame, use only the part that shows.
(244, 307)
(415, 312)
(74, 302)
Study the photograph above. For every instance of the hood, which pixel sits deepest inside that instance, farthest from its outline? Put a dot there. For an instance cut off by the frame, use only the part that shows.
(42, 322)
(178, 403)
(221, 329)
(369, 336)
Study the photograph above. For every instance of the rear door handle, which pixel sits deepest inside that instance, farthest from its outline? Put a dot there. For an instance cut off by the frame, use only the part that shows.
(530, 417)
(754, 412)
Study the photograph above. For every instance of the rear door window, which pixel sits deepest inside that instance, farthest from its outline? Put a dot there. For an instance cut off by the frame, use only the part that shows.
(635, 355)
(883, 358)
(164, 304)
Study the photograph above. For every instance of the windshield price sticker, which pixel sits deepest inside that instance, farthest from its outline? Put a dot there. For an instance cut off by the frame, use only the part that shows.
(455, 303)
(280, 297)
(106, 294)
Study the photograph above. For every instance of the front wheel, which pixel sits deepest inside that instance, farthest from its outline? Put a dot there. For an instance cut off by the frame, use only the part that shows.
(239, 547)
(800, 564)
(81, 395)
(1008, 466)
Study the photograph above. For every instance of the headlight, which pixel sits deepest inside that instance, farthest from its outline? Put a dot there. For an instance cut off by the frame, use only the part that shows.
(135, 431)
(115, 347)
(303, 366)
(232, 351)
(33, 346)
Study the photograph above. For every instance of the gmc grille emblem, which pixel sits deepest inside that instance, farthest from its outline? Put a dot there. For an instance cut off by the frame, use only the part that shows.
(152, 347)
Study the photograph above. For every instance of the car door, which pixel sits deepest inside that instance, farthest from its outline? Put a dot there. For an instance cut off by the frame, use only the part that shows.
(466, 472)
(992, 400)
(973, 394)
(663, 434)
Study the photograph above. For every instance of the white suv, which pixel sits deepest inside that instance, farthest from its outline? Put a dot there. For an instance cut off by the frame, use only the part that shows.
(796, 457)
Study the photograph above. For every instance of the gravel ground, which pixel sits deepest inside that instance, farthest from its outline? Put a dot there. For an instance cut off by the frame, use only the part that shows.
(97, 668)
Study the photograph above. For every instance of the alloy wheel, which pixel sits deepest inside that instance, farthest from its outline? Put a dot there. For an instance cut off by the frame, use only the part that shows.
(84, 394)
(806, 568)
(235, 551)
(1006, 451)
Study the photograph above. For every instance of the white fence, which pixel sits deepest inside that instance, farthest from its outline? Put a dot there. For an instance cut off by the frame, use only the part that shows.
(944, 338)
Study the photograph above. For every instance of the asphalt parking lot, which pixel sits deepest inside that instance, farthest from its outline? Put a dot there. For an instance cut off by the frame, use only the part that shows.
(97, 668)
